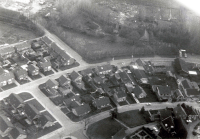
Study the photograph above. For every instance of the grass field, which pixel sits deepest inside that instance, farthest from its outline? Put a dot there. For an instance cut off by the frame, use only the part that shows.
(11, 34)
(103, 129)
(132, 118)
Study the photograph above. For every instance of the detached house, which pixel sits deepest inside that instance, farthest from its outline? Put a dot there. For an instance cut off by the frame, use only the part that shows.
(140, 76)
(20, 73)
(181, 66)
(101, 102)
(15, 101)
(191, 113)
(163, 93)
(75, 76)
(33, 70)
(87, 72)
(44, 121)
(177, 95)
(104, 69)
(179, 112)
(22, 47)
(6, 51)
(31, 112)
(44, 65)
(120, 96)
(6, 77)
(46, 40)
(64, 81)
(125, 77)
(17, 133)
(5, 126)
(81, 110)
(139, 92)
(51, 84)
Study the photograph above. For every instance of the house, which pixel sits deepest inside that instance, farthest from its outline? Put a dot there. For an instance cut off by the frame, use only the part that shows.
(179, 112)
(35, 45)
(17, 133)
(44, 121)
(124, 77)
(191, 113)
(98, 80)
(6, 77)
(6, 51)
(104, 69)
(33, 70)
(87, 72)
(139, 92)
(66, 60)
(129, 87)
(6, 126)
(140, 63)
(53, 84)
(44, 65)
(177, 95)
(15, 101)
(31, 112)
(75, 76)
(64, 91)
(81, 110)
(168, 124)
(46, 40)
(163, 93)
(22, 47)
(20, 73)
(64, 81)
(120, 96)
(181, 66)
(140, 76)
(154, 115)
(102, 102)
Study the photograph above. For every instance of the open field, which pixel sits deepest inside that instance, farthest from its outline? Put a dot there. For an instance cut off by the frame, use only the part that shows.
(10, 34)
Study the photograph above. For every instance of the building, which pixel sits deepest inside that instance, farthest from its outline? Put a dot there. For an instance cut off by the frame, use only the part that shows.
(181, 66)
(120, 96)
(46, 40)
(179, 112)
(44, 65)
(33, 70)
(87, 72)
(6, 126)
(6, 52)
(168, 124)
(15, 101)
(31, 112)
(75, 76)
(6, 78)
(125, 77)
(51, 84)
(102, 102)
(64, 81)
(104, 69)
(191, 113)
(163, 93)
(20, 74)
(22, 47)
(81, 110)
(177, 95)
(140, 76)
(139, 92)
(44, 121)
(17, 133)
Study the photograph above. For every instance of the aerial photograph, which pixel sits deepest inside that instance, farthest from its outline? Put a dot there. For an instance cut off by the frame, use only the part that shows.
(99, 69)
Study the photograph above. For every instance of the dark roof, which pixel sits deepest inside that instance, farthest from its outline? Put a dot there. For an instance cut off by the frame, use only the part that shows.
(164, 90)
(32, 67)
(64, 91)
(104, 67)
(177, 93)
(16, 132)
(165, 113)
(15, 100)
(138, 90)
(62, 80)
(4, 123)
(186, 84)
(188, 109)
(45, 64)
(140, 62)
(51, 83)
(43, 119)
(124, 77)
(179, 111)
(192, 92)
(64, 55)
(31, 111)
(82, 109)
(180, 64)
(168, 122)
(102, 101)
(74, 75)
(46, 40)
(139, 74)
(120, 94)
(86, 71)
(153, 111)
(20, 71)
(98, 79)
(6, 76)
(56, 48)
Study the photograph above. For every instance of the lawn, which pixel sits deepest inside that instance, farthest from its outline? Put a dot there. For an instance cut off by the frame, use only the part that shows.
(9, 86)
(103, 129)
(25, 96)
(132, 118)
(35, 77)
(23, 81)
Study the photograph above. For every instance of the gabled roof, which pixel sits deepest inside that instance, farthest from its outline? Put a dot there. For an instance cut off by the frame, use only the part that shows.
(139, 62)
(82, 109)
(168, 122)
(138, 90)
(20, 71)
(56, 48)
(86, 71)
(104, 68)
(139, 74)
(32, 67)
(164, 113)
(164, 90)
(51, 83)
(6, 76)
(30, 111)
(4, 123)
(74, 75)
(181, 65)
(46, 40)
(15, 100)
(102, 101)
(16, 132)
(98, 79)
(192, 92)
(45, 64)
(178, 93)
(188, 109)
(124, 77)
(64, 55)
(43, 119)
(64, 91)
(63, 79)
(120, 94)
(179, 111)
(186, 84)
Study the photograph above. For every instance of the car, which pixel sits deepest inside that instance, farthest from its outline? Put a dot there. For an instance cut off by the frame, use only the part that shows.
(148, 104)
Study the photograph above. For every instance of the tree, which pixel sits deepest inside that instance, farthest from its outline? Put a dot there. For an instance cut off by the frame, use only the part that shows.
(142, 110)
